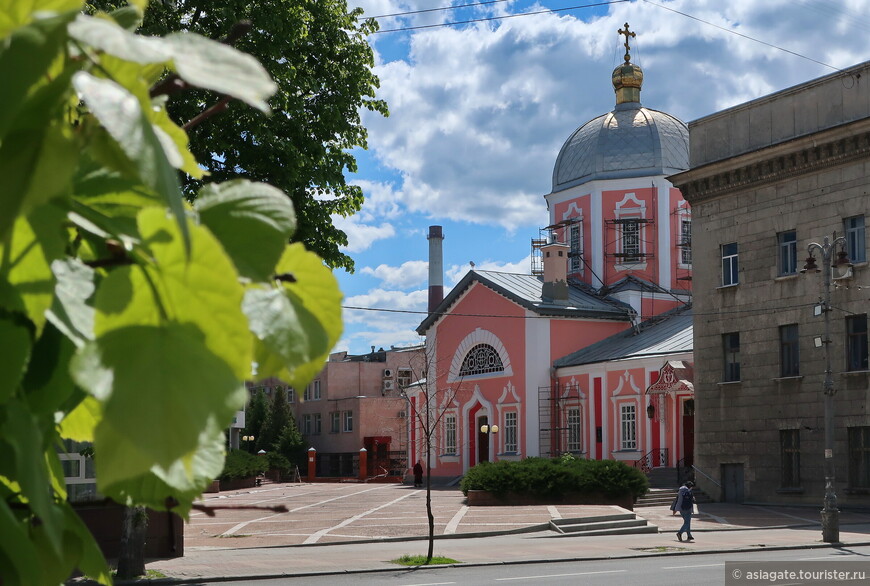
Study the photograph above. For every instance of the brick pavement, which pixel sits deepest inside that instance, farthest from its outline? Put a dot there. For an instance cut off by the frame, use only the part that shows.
(345, 527)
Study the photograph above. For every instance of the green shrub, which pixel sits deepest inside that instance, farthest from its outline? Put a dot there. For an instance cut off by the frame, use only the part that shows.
(241, 464)
(556, 477)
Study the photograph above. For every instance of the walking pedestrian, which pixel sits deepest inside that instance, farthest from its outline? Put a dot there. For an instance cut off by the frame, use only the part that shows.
(684, 504)
(418, 474)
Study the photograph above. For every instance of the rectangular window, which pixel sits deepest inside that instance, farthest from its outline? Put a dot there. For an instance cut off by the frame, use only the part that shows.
(450, 434)
(790, 457)
(628, 427)
(729, 264)
(686, 242)
(334, 422)
(787, 246)
(630, 241)
(856, 245)
(306, 424)
(315, 390)
(859, 457)
(856, 342)
(403, 378)
(574, 443)
(318, 424)
(348, 421)
(789, 351)
(291, 395)
(731, 357)
(575, 241)
(306, 394)
(510, 432)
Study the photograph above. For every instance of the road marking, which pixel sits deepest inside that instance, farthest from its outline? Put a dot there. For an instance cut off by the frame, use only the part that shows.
(698, 566)
(344, 496)
(454, 522)
(244, 523)
(560, 575)
(313, 538)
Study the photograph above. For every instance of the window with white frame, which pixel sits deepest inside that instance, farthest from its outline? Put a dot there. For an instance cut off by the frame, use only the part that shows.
(686, 241)
(312, 391)
(510, 432)
(481, 359)
(787, 247)
(306, 424)
(630, 239)
(334, 422)
(318, 424)
(403, 377)
(729, 264)
(573, 425)
(348, 421)
(628, 426)
(450, 434)
(856, 244)
(291, 395)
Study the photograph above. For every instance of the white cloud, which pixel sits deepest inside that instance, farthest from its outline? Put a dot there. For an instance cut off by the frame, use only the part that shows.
(361, 236)
(372, 326)
(410, 274)
(456, 272)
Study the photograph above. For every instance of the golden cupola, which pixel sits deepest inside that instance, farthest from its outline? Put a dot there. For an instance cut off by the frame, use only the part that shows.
(628, 77)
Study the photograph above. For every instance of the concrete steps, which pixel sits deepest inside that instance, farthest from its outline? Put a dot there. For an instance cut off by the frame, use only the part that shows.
(616, 524)
(657, 497)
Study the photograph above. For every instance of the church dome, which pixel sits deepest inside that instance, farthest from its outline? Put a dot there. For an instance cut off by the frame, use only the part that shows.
(630, 141)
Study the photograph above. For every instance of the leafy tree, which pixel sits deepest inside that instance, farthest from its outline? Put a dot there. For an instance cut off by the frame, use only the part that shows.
(129, 318)
(255, 414)
(317, 53)
(277, 418)
(291, 444)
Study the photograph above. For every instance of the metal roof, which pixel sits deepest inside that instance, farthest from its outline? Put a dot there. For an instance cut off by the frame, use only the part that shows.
(525, 290)
(630, 141)
(669, 333)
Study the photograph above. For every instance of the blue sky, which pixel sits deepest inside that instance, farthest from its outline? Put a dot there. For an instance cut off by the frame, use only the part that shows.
(478, 113)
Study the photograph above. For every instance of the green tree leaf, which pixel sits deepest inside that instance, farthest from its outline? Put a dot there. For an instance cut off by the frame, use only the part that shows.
(16, 342)
(121, 115)
(153, 415)
(253, 222)
(70, 312)
(298, 324)
(26, 280)
(16, 13)
(80, 423)
(18, 555)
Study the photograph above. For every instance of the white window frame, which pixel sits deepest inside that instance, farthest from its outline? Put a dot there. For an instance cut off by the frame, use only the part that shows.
(306, 424)
(335, 422)
(628, 426)
(318, 424)
(856, 239)
(786, 247)
(685, 240)
(403, 377)
(347, 421)
(450, 434)
(574, 428)
(510, 429)
(731, 262)
(631, 208)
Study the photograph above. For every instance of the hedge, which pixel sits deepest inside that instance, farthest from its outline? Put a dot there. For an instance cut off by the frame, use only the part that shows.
(556, 477)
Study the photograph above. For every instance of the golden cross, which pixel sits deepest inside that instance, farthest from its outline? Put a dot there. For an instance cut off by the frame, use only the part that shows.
(627, 34)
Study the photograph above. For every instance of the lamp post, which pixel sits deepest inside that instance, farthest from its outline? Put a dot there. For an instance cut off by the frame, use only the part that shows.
(830, 512)
(246, 439)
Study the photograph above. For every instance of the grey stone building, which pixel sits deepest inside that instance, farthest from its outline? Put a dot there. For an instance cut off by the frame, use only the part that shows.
(766, 179)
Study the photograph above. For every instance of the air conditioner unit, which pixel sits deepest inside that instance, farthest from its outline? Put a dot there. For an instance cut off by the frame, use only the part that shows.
(388, 373)
(402, 414)
(841, 273)
(389, 385)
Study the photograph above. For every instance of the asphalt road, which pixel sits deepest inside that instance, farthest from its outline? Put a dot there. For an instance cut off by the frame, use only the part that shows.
(706, 569)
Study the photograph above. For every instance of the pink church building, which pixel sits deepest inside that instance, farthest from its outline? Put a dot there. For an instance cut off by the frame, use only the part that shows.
(591, 352)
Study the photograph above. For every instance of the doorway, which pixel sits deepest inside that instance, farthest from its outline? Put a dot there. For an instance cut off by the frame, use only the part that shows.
(689, 432)
(482, 440)
(732, 483)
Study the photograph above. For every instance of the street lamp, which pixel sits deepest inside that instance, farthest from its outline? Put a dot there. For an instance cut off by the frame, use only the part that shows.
(830, 512)
(488, 428)
(247, 438)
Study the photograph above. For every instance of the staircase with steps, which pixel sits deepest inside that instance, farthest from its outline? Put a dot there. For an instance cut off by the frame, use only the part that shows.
(616, 524)
(663, 489)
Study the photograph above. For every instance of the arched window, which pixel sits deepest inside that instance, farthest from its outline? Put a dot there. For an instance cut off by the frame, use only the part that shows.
(481, 359)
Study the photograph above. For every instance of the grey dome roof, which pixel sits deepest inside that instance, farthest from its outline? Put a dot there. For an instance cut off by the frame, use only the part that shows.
(630, 141)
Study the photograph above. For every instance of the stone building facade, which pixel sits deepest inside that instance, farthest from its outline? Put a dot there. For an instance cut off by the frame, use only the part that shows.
(766, 179)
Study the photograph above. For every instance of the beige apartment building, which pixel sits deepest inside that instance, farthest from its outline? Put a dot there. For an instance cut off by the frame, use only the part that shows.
(767, 178)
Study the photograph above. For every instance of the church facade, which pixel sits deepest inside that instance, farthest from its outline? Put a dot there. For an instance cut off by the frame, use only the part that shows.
(565, 358)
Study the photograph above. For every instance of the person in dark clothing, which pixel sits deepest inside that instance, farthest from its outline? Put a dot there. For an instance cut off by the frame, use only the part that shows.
(418, 474)
(683, 504)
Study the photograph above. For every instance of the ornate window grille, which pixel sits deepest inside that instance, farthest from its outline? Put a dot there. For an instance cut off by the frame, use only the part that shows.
(482, 359)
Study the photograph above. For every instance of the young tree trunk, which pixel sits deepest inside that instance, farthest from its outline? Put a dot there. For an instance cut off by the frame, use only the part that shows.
(131, 559)
(429, 513)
